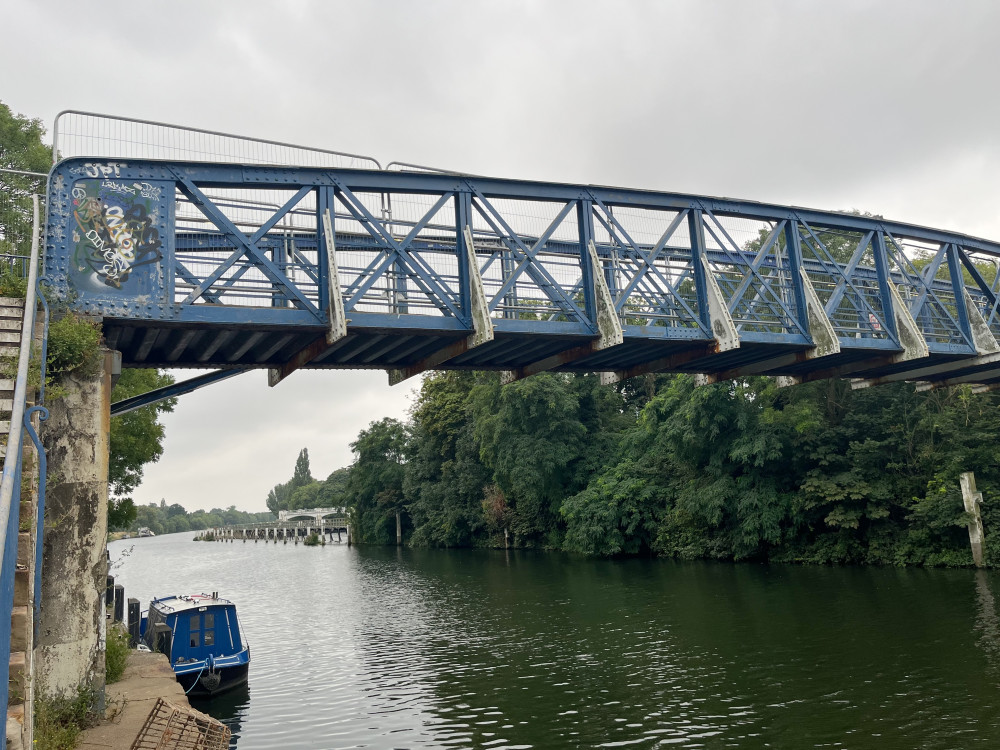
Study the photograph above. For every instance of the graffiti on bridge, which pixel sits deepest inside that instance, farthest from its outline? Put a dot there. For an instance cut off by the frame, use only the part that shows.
(116, 232)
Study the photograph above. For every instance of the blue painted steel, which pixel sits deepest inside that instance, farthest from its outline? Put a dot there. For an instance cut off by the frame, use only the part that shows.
(43, 414)
(233, 269)
(169, 391)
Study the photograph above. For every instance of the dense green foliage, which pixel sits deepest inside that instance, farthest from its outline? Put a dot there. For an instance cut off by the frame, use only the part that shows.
(21, 149)
(136, 440)
(169, 519)
(742, 470)
(59, 721)
(303, 491)
(73, 345)
(115, 653)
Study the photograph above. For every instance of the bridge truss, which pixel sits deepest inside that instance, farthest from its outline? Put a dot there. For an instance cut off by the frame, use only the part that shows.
(236, 267)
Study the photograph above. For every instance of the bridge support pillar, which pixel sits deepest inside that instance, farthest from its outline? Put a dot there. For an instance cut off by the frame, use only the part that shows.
(69, 651)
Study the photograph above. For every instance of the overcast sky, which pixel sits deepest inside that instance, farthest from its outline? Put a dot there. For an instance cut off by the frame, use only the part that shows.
(888, 107)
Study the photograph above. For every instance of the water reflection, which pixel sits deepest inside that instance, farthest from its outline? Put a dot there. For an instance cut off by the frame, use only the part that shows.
(987, 623)
(229, 707)
(389, 648)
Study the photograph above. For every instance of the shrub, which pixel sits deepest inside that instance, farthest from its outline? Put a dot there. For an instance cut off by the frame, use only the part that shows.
(73, 345)
(12, 283)
(59, 721)
(116, 653)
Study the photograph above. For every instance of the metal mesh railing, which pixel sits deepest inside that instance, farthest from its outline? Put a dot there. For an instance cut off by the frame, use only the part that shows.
(16, 191)
(77, 133)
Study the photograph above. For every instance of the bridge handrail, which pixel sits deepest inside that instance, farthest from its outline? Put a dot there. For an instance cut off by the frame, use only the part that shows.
(10, 483)
(202, 131)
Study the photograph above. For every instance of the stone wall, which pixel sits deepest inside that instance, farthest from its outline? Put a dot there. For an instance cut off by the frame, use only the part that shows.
(70, 646)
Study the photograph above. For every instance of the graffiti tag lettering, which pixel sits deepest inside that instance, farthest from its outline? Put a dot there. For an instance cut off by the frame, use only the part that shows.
(117, 226)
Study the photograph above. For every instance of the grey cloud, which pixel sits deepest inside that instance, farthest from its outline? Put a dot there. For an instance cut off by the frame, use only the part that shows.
(888, 107)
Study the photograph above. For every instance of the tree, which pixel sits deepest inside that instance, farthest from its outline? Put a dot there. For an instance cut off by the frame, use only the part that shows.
(302, 476)
(21, 149)
(136, 440)
(375, 484)
(281, 496)
(445, 478)
(530, 435)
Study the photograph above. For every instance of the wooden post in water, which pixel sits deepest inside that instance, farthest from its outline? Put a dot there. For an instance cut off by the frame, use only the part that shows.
(972, 501)
(399, 530)
(118, 612)
(133, 622)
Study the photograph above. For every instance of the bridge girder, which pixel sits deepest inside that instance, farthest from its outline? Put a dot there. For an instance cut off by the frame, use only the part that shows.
(241, 267)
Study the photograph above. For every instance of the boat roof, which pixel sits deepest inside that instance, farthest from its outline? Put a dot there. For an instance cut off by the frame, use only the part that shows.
(182, 602)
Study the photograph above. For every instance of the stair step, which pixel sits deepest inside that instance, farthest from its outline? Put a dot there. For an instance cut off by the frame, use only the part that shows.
(20, 633)
(11, 302)
(6, 404)
(6, 385)
(22, 587)
(25, 554)
(10, 337)
(18, 667)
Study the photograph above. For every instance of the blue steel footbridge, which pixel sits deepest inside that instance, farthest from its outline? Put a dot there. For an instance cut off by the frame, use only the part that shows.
(236, 267)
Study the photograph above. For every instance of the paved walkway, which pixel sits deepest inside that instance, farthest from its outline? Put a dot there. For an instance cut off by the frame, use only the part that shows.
(147, 677)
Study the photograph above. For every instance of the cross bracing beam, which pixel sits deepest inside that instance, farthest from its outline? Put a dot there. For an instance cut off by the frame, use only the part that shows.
(195, 264)
(170, 391)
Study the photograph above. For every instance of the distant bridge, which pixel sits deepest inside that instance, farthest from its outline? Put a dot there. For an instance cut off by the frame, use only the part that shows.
(238, 267)
(317, 514)
(287, 529)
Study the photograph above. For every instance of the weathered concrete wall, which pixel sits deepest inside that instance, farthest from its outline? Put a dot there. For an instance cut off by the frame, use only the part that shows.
(70, 648)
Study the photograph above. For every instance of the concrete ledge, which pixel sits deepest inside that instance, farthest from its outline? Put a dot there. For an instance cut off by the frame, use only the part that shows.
(147, 677)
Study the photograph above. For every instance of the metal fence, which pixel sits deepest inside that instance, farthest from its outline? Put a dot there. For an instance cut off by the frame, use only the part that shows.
(78, 133)
(16, 206)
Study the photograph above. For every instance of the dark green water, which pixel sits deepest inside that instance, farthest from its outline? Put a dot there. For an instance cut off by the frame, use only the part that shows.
(386, 648)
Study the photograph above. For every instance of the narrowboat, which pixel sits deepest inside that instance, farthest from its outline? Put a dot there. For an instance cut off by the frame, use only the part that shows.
(201, 636)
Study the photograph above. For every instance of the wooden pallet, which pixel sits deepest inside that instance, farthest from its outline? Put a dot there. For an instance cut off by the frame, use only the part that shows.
(172, 727)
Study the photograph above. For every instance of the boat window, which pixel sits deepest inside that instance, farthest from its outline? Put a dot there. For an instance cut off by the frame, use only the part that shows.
(194, 622)
(209, 637)
(209, 621)
(195, 639)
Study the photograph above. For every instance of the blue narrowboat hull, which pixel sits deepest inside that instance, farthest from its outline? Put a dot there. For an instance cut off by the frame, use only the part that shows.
(205, 683)
(201, 636)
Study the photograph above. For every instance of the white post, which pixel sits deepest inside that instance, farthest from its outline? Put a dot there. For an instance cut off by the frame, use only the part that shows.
(972, 501)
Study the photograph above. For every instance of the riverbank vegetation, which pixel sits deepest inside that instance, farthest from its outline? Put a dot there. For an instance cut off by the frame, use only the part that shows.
(741, 470)
(170, 519)
(116, 652)
(60, 720)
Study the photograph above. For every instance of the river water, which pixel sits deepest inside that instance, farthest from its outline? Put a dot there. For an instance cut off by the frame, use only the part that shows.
(396, 648)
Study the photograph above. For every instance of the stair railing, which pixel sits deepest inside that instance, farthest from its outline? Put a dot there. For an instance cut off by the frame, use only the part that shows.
(10, 483)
